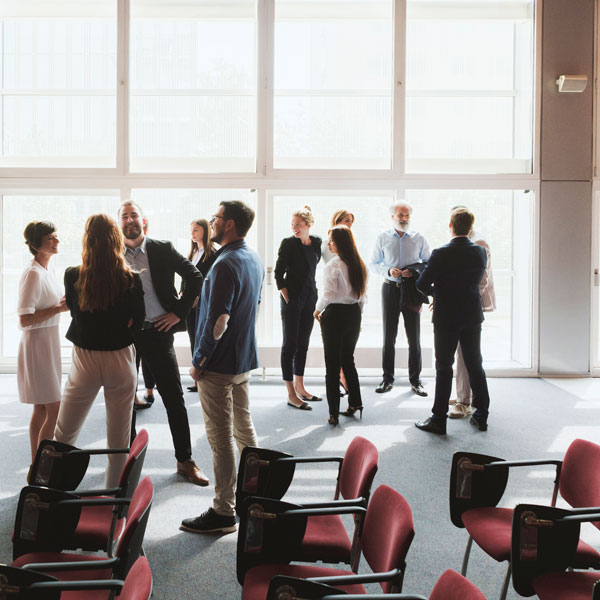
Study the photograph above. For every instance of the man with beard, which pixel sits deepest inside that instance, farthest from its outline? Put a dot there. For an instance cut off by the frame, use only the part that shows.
(225, 352)
(157, 262)
(399, 256)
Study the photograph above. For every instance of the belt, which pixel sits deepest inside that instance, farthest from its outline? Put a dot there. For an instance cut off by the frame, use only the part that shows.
(393, 283)
(148, 325)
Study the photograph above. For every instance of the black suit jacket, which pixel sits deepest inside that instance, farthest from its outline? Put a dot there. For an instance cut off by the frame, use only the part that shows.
(291, 268)
(452, 277)
(164, 262)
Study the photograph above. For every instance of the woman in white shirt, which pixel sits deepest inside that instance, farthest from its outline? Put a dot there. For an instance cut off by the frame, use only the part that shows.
(339, 310)
(40, 303)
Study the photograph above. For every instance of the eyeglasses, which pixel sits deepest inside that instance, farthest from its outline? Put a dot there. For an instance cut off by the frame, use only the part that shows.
(213, 218)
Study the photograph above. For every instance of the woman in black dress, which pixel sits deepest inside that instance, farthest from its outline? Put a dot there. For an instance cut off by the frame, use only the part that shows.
(295, 276)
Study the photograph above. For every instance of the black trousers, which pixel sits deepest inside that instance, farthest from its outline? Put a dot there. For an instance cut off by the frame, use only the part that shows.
(297, 321)
(157, 351)
(340, 328)
(391, 297)
(445, 342)
(190, 325)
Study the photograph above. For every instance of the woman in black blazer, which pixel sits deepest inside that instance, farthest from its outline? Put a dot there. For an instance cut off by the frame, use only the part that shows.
(295, 276)
(202, 255)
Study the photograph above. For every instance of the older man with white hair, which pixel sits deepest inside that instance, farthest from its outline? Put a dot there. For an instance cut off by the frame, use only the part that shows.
(399, 256)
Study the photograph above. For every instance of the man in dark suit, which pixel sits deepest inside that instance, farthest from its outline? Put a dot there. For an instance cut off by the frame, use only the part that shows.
(157, 262)
(452, 277)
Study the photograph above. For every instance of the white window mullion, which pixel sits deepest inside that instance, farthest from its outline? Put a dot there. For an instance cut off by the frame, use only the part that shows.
(266, 23)
(123, 87)
(399, 89)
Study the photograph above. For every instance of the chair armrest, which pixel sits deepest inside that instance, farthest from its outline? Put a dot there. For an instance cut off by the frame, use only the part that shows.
(317, 512)
(335, 503)
(105, 492)
(311, 459)
(95, 502)
(374, 597)
(100, 451)
(92, 584)
(523, 463)
(84, 565)
(580, 516)
(359, 578)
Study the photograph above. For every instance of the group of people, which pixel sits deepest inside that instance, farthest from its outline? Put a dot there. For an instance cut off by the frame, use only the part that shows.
(401, 257)
(125, 308)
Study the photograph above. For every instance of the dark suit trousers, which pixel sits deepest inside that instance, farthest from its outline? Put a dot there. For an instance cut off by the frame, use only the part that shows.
(391, 297)
(190, 325)
(446, 340)
(157, 351)
(297, 321)
(340, 328)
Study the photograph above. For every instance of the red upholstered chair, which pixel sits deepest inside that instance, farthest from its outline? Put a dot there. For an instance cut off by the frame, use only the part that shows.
(544, 544)
(31, 585)
(269, 530)
(450, 586)
(477, 483)
(75, 567)
(98, 524)
(268, 474)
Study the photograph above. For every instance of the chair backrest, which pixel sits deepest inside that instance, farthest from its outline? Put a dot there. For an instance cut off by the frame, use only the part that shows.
(358, 469)
(138, 583)
(130, 542)
(452, 586)
(387, 532)
(58, 466)
(132, 470)
(579, 482)
(12, 578)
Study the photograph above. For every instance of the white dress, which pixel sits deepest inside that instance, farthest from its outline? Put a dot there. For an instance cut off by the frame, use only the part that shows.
(38, 362)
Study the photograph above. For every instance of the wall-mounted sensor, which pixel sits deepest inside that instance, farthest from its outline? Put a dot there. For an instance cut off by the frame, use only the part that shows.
(571, 83)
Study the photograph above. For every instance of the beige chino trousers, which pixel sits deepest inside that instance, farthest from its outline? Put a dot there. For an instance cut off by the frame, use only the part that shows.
(224, 400)
(92, 369)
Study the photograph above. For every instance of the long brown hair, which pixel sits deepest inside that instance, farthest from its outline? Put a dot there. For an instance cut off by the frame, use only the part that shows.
(103, 274)
(209, 245)
(342, 237)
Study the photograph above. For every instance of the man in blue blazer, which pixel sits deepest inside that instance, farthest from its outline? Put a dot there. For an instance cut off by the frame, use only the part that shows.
(452, 277)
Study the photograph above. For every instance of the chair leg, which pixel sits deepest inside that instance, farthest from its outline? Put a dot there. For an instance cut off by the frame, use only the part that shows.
(506, 582)
(463, 571)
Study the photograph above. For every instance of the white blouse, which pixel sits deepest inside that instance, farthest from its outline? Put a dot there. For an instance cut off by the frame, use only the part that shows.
(336, 288)
(38, 289)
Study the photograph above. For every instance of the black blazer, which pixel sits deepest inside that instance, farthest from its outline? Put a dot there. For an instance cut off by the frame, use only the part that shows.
(164, 262)
(104, 329)
(452, 277)
(204, 265)
(291, 268)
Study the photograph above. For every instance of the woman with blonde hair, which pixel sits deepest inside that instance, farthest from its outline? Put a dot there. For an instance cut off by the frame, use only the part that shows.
(295, 276)
(39, 306)
(339, 217)
(106, 300)
(339, 310)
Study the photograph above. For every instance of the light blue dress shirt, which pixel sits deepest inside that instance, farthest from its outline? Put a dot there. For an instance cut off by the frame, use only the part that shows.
(392, 250)
(137, 259)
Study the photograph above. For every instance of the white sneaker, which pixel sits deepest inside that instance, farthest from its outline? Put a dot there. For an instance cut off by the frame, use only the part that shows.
(459, 411)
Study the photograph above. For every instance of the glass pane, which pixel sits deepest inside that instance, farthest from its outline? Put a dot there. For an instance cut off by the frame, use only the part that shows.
(193, 87)
(59, 85)
(503, 218)
(333, 85)
(69, 214)
(469, 87)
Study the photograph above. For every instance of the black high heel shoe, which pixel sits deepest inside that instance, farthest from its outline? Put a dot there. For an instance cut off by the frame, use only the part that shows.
(352, 410)
(333, 420)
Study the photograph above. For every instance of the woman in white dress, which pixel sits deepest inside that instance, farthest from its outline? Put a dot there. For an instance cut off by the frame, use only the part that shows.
(40, 303)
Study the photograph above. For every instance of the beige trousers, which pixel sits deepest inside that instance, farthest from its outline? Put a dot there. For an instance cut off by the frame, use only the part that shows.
(463, 387)
(92, 369)
(227, 417)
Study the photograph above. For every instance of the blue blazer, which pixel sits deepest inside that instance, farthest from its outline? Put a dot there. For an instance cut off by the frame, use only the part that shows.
(452, 277)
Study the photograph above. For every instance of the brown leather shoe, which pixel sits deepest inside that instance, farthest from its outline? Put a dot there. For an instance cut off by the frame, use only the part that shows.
(192, 472)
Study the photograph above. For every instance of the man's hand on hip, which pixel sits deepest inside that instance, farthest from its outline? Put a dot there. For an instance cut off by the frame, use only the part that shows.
(166, 321)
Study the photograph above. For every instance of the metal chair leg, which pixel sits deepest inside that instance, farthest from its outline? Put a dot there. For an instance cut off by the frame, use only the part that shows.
(463, 571)
(506, 582)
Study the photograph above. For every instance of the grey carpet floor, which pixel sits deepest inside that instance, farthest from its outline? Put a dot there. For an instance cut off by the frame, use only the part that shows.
(529, 418)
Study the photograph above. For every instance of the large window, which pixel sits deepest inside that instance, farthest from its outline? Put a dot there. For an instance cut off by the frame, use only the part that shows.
(58, 83)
